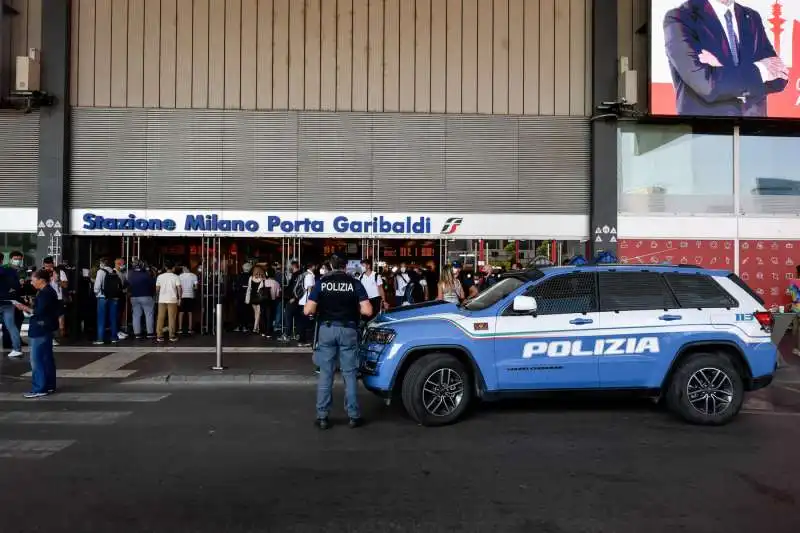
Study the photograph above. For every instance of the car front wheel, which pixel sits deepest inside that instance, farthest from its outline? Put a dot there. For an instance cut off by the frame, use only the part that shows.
(706, 389)
(436, 390)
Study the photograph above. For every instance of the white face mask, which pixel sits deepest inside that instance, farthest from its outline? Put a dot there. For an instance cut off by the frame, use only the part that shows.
(403, 270)
(16, 262)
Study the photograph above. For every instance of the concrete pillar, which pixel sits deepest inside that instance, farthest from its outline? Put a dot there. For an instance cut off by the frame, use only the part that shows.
(54, 135)
(604, 206)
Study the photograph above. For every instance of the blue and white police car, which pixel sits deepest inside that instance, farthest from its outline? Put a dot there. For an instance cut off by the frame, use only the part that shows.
(698, 339)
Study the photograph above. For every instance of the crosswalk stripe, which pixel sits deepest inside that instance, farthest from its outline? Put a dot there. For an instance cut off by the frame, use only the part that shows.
(83, 418)
(91, 374)
(31, 449)
(99, 397)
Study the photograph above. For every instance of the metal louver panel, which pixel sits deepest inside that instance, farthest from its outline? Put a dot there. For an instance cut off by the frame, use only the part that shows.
(316, 161)
(109, 159)
(260, 161)
(554, 164)
(19, 159)
(408, 162)
(481, 164)
(184, 159)
(334, 164)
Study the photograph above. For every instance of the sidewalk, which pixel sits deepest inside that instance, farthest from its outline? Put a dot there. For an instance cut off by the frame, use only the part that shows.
(247, 360)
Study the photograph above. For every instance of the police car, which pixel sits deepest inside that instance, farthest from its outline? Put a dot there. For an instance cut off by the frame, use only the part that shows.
(697, 339)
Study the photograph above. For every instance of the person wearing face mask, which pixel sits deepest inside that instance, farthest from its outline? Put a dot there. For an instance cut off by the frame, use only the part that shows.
(17, 263)
(44, 321)
(9, 289)
(373, 284)
(403, 286)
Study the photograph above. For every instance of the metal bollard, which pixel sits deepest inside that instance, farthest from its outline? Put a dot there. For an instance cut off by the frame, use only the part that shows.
(218, 365)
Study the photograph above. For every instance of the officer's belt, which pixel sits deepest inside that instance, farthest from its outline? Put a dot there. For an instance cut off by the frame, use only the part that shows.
(339, 323)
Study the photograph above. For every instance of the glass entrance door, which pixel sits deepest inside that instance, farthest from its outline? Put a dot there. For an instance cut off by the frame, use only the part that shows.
(213, 282)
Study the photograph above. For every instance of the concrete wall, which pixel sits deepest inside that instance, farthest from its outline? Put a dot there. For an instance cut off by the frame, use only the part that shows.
(441, 56)
(24, 32)
(633, 42)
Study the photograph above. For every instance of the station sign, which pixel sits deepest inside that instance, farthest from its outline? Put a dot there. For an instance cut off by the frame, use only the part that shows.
(324, 224)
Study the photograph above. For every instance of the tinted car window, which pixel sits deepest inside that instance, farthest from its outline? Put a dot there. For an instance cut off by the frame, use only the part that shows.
(634, 291)
(494, 294)
(699, 291)
(566, 294)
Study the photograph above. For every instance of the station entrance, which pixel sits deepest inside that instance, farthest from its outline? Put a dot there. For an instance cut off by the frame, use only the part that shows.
(218, 260)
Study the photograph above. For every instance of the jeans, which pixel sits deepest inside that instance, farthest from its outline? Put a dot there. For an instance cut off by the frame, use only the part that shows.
(10, 323)
(43, 364)
(337, 345)
(19, 318)
(289, 319)
(278, 322)
(143, 305)
(107, 309)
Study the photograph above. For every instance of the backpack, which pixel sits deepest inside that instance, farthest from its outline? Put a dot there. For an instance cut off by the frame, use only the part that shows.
(112, 285)
(408, 292)
(298, 291)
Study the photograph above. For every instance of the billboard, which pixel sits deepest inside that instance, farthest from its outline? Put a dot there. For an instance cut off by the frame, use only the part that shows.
(721, 58)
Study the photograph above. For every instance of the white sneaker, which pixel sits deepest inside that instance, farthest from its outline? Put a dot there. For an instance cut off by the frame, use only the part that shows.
(15, 353)
(122, 335)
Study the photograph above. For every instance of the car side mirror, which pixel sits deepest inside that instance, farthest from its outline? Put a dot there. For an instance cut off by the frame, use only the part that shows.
(525, 304)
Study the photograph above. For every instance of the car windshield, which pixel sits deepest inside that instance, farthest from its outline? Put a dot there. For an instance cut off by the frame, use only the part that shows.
(493, 294)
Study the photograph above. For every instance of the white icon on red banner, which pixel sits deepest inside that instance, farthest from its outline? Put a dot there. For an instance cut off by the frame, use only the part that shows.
(774, 245)
(774, 291)
(728, 245)
(759, 245)
(714, 245)
(760, 275)
(745, 246)
(745, 276)
(684, 244)
(774, 260)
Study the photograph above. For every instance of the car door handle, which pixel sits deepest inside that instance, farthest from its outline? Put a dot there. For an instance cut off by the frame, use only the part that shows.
(670, 317)
(581, 321)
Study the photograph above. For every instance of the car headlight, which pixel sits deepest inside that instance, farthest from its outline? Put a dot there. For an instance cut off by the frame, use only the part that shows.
(379, 336)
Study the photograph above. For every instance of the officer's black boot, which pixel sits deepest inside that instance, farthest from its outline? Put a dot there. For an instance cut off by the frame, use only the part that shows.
(322, 423)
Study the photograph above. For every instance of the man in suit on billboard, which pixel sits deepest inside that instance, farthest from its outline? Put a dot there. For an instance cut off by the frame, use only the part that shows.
(721, 60)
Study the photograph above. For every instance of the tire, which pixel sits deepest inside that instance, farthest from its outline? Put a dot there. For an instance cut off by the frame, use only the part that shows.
(450, 407)
(705, 368)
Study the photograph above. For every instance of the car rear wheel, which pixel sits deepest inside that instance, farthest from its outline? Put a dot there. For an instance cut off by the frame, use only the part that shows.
(436, 390)
(706, 389)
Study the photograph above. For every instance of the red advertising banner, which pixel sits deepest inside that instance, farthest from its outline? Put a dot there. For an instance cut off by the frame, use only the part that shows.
(702, 253)
(706, 62)
(767, 266)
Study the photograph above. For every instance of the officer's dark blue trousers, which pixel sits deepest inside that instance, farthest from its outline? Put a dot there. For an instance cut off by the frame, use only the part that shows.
(337, 344)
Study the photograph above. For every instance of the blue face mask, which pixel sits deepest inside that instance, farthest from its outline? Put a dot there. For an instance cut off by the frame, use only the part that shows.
(16, 262)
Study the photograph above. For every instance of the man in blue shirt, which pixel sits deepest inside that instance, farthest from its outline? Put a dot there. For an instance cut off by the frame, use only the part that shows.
(339, 301)
(43, 322)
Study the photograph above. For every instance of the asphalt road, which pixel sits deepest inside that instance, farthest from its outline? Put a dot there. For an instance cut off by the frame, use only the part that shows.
(249, 460)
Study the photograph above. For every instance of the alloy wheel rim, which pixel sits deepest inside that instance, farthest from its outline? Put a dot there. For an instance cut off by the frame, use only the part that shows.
(710, 391)
(442, 392)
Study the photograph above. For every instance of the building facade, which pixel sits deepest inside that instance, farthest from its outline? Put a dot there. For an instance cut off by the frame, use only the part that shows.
(379, 120)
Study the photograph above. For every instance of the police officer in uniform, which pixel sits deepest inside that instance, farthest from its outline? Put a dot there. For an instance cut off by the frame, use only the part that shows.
(339, 301)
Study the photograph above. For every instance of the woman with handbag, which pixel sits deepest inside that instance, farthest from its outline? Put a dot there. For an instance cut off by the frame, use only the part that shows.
(256, 287)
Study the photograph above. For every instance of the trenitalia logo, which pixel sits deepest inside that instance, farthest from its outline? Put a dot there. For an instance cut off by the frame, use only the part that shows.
(451, 225)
